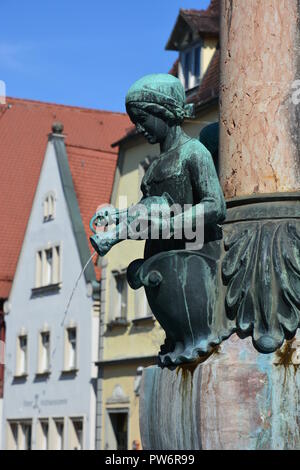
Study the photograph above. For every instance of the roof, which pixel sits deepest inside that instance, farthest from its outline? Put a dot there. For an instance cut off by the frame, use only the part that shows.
(24, 129)
(200, 22)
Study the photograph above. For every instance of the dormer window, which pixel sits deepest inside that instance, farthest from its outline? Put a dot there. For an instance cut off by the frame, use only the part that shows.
(195, 36)
(190, 66)
(49, 206)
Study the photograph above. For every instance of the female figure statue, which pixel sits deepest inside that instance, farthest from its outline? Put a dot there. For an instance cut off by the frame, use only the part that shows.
(181, 281)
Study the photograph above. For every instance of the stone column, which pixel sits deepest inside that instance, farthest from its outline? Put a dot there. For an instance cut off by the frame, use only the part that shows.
(260, 61)
(246, 394)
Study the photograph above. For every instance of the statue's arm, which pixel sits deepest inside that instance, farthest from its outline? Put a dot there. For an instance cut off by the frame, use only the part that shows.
(206, 186)
(207, 192)
(122, 230)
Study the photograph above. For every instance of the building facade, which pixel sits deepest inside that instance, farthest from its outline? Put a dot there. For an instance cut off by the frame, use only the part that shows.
(50, 374)
(130, 337)
(49, 394)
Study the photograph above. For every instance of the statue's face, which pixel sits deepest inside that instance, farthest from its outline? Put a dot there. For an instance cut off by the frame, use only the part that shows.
(153, 128)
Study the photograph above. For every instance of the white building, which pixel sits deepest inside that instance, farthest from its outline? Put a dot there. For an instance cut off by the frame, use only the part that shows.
(49, 397)
(50, 373)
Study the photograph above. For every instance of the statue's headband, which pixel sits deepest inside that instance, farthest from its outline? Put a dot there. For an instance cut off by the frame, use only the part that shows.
(162, 90)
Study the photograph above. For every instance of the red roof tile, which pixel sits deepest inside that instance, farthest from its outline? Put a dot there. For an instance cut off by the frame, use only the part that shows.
(24, 129)
(93, 176)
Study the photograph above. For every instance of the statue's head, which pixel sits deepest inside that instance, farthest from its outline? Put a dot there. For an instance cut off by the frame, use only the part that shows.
(155, 103)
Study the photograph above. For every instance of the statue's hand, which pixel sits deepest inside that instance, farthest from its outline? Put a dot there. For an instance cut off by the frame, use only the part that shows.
(107, 215)
(103, 242)
(104, 216)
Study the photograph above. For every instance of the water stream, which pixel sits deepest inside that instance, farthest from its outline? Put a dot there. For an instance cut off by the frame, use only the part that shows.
(75, 287)
(71, 297)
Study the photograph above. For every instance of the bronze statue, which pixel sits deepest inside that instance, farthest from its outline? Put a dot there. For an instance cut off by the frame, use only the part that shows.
(202, 293)
(181, 284)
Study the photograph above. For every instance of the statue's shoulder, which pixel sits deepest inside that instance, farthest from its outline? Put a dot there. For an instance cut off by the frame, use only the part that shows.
(195, 151)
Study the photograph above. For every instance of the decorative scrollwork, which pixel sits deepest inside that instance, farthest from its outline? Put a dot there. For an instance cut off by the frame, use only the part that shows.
(261, 271)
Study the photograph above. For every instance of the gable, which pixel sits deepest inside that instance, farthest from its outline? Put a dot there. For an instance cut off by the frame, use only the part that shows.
(87, 132)
(84, 249)
(191, 25)
(41, 235)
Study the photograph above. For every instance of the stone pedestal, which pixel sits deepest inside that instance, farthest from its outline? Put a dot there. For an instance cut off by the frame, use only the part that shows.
(236, 399)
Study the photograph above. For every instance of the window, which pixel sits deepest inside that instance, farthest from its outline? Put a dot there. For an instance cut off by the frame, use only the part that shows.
(39, 269)
(117, 430)
(121, 281)
(142, 307)
(49, 207)
(2, 353)
(197, 52)
(48, 266)
(59, 428)
(44, 352)
(190, 61)
(71, 349)
(44, 434)
(22, 355)
(19, 435)
(25, 441)
(187, 68)
(120, 297)
(76, 434)
(13, 441)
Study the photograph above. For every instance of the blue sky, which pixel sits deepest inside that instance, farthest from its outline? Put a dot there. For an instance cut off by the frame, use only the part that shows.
(84, 53)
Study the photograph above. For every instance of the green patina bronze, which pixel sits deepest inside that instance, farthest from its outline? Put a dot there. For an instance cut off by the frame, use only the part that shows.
(209, 137)
(181, 285)
(248, 282)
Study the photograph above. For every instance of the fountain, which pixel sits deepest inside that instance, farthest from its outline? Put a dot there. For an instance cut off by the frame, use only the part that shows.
(228, 373)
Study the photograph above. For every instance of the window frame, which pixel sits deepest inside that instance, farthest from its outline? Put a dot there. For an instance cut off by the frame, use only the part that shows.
(193, 80)
(72, 434)
(116, 298)
(40, 369)
(28, 424)
(41, 423)
(68, 368)
(41, 267)
(59, 421)
(12, 438)
(108, 423)
(122, 294)
(21, 372)
(141, 306)
(49, 206)
(18, 440)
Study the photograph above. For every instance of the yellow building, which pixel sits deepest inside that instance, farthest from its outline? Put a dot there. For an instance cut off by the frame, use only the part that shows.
(130, 336)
